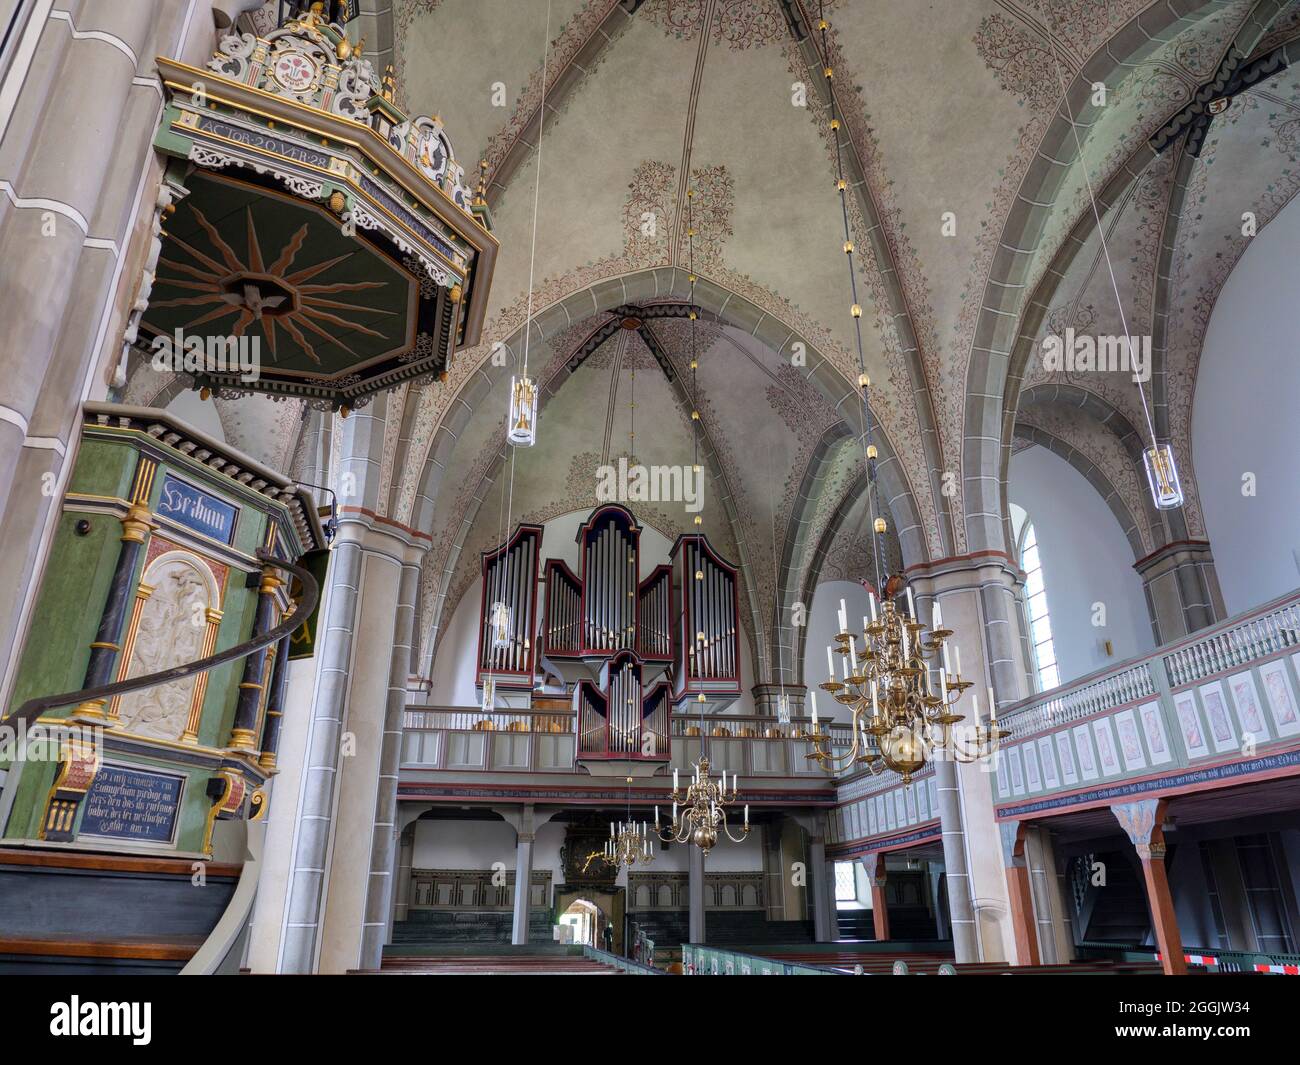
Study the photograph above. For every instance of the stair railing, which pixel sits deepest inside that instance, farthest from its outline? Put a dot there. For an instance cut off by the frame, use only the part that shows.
(33, 708)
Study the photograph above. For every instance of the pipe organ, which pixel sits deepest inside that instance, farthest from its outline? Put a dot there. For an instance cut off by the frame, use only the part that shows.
(656, 707)
(654, 636)
(630, 649)
(609, 546)
(563, 610)
(593, 718)
(706, 645)
(508, 618)
(622, 682)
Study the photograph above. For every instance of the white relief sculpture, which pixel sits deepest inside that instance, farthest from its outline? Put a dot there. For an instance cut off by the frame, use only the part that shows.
(172, 626)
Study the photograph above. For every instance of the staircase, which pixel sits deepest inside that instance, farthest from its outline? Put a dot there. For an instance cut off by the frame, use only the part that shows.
(441, 927)
(1117, 912)
(855, 926)
(671, 928)
(541, 959)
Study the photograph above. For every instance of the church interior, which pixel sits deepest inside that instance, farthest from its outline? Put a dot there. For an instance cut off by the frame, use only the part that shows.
(649, 487)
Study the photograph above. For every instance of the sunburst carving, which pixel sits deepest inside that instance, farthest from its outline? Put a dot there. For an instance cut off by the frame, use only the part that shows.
(270, 295)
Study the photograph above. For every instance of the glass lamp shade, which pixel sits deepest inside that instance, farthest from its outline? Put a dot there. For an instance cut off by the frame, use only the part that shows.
(1162, 476)
(783, 709)
(489, 694)
(500, 626)
(521, 428)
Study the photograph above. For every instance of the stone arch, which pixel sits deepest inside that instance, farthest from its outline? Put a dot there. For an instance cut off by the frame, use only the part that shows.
(1009, 316)
(1108, 418)
(1094, 475)
(645, 289)
(803, 556)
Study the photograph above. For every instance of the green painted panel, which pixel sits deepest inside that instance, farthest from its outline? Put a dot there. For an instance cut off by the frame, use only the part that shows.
(68, 607)
(103, 468)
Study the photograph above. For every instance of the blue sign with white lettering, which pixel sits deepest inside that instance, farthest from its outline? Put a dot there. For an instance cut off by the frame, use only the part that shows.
(196, 509)
(128, 803)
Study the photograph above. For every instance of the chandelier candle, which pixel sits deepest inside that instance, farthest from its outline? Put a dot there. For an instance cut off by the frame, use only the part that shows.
(899, 720)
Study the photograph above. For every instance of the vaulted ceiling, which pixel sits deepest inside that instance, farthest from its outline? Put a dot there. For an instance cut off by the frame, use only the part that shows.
(973, 137)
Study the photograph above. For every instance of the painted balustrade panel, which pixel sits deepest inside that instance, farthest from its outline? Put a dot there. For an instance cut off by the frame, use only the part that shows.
(1211, 709)
(462, 739)
(874, 812)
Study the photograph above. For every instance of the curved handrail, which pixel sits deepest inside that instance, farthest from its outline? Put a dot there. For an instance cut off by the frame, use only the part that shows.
(228, 933)
(33, 708)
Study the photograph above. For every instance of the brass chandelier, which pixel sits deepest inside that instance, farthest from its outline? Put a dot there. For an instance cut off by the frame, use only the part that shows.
(704, 819)
(628, 843)
(900, 719)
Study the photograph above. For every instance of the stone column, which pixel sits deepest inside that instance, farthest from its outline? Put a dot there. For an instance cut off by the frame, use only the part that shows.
(1142, 821)
(1182, 589)
(342, 791)
(78, 175)
(402, 888)
(822, 897)
(379, 894)
(696, 891)
(1024, 924)
(965, 940)
(979, 597)
(523, 886)
(525, 820)
(875, 865)
(941, 929)
(1047, 885)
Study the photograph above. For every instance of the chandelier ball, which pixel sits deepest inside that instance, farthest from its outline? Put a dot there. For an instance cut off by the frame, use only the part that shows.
(904, 749)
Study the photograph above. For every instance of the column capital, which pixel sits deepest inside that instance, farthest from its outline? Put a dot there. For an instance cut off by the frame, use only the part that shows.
(1012, 834)
(963, 572)
(1141, 822)
(526, 819)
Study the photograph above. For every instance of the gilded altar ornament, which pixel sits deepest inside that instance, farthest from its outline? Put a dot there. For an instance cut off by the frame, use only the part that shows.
(522, 430)
(79, 762)
(899, 721)
(227, 790)
(1162, 476)
(703, 820)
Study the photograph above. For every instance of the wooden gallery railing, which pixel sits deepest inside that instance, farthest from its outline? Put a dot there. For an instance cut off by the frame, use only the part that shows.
(1219, 704)
(463, 739)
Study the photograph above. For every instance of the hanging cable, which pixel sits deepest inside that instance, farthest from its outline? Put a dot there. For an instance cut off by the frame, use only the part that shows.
(521, 418)
(869, 453)
(1162, 473)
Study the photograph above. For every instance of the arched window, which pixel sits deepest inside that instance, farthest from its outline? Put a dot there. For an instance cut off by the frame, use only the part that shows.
(1040, 625)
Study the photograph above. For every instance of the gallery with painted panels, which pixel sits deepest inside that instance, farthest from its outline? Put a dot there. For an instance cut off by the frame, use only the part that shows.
(649, 488)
